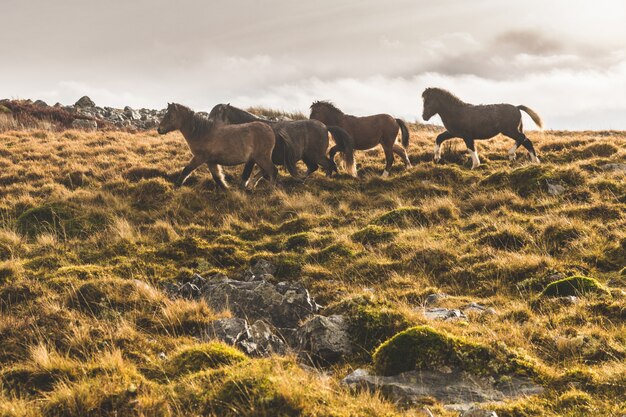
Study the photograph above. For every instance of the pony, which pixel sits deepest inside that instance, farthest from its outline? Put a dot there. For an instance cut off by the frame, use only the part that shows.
(471, 122)
(217, 144)
(305, 140)
(367, 131)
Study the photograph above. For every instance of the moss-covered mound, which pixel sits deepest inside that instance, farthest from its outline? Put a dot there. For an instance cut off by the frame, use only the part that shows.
(202, 356)
(576, 285)
(371, 322)
(403, 216)
(373, 234)
(423, 347)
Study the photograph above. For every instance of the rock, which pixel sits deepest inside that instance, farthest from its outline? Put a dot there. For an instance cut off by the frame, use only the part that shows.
(84, 101)
(283, 305)
(325, 340)
(614, 167)
(262, 340)
(131, 114)
(84, 124)
(555, 189)
(478, 412)
(434, 298)
(40, 103)
(477, 308)
(451, 388)
(443, 314)
(231, 330)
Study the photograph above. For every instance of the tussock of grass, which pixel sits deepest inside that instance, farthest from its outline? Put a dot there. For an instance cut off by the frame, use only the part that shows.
(574, 286)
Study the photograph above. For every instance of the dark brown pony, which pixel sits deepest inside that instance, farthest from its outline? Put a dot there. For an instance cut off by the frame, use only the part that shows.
(470, 122)
(367, 131)
(216, 144)
(305, 140)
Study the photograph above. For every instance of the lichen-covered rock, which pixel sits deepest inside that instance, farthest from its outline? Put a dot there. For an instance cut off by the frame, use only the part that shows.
(325, 340)
(84, 101)
(284, 305)
(574, 286)
(457, 388)
(479, 412)
(262, 340)
(424, 348)
(84, 124)
(231, 330)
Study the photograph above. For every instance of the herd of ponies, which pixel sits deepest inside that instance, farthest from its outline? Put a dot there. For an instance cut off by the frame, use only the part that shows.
(231, 136)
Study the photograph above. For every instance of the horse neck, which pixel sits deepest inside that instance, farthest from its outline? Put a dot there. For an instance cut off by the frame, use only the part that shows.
(333, 118)
(450, 107)
(189, 128)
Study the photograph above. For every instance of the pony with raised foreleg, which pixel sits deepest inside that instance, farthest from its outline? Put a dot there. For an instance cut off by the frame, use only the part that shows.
(305, 140)
(215, 144)
(475, 122)
(367, 131)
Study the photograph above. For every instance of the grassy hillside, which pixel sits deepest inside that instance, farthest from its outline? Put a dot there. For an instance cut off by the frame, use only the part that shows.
(91, 229)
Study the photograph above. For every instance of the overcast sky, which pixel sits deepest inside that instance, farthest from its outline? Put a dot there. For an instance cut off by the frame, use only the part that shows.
(564, 58)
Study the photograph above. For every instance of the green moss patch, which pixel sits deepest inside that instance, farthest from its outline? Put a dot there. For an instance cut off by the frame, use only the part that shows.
(373, 234)
(423, 347)
(403, 216)
(577, 285)
(202, 356)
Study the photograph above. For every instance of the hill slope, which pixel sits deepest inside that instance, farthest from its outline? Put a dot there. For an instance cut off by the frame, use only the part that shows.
(88, 219)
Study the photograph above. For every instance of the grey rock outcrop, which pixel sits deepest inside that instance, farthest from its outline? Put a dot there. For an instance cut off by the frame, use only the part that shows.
(84, 124)
(84, 101)
(324, 340)
(457, 390)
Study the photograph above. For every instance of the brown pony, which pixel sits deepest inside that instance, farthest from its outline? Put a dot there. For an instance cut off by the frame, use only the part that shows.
(216, 144)
(470, 122)
(367, 131)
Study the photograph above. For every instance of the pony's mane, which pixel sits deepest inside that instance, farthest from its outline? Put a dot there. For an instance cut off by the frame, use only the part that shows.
(197, 122)
(327, 104)
(442, 95)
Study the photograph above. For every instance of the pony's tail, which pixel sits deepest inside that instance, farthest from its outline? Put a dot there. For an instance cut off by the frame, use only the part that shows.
(533, 115)
(346, 142)
(405, 133)
(289, 152)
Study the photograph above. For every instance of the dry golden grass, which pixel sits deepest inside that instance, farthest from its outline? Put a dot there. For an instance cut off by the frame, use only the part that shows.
(91, 228)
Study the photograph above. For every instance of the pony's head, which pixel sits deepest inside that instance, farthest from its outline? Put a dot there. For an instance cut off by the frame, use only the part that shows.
(173, 118)
(431, 103)
(220, 112)
(324, 111)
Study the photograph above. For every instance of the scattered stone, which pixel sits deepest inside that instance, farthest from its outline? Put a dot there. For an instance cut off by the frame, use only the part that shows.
(131, 114)
(283, 305)
(262, 270)
(456, 388)
(231, 330)
(444, 314)
(262, 340)
(614, 167)
(555, 189)
(434, 298)
(325, 339)
(84, 101)
(83, 124)
(477, 308)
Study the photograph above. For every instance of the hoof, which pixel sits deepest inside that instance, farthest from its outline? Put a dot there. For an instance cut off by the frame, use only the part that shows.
(385, 174)
(512, 157)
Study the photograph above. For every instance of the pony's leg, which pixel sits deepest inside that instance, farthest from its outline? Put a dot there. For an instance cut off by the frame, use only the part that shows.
(531, 150)
(269, 170)
(522, 140)
(472, 150)
(388, 159)
(218, 176)
(311, 166)
(440, 139)
(247, 171)
(401, 152)
(191, 166)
